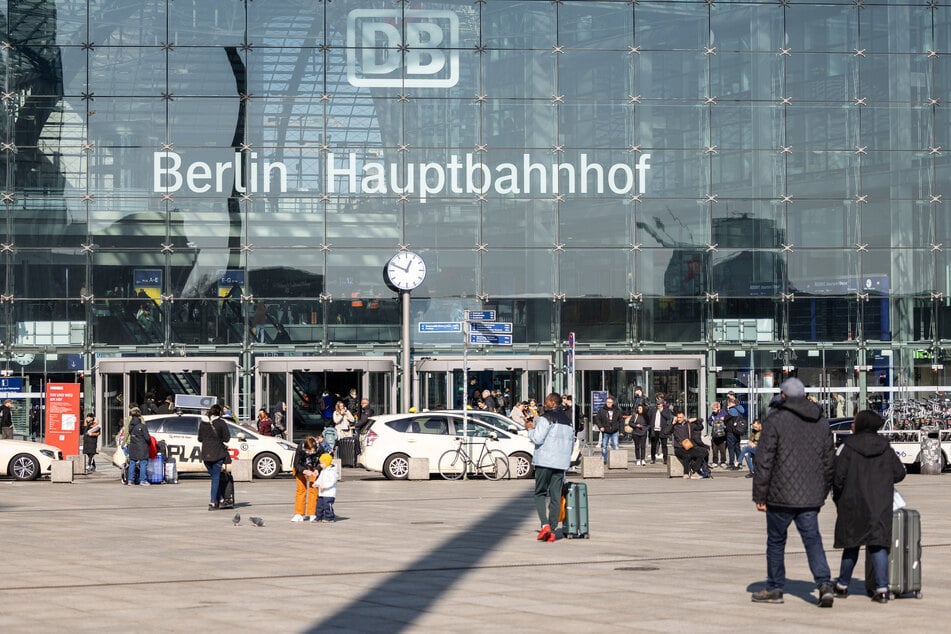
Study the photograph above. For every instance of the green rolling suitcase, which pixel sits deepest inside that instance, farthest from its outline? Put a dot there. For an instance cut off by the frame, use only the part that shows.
(576, 510)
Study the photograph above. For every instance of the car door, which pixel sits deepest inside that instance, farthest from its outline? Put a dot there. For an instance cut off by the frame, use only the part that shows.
(427, 436)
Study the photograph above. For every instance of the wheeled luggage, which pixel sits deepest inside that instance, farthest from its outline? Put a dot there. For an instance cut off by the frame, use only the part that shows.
(155, 470)
(576, 510)
(171, 471)
(904, 557)
(347, 451)
(226, 490)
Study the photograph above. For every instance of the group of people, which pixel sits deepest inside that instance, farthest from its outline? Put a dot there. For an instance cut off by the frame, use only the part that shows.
(316, 478)
(647, 421)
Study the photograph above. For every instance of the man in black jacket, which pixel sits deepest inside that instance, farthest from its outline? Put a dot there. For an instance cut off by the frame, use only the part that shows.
(6, 419)
(608, 420)
(791, 479)
(660, 424)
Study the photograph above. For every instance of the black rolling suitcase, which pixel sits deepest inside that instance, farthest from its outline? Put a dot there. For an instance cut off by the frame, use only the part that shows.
(347, 451)
(226, 490)
(904, 557)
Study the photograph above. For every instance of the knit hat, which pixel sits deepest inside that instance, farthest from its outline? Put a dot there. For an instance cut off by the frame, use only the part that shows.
(868, 422)
(793, 388)
(326, 459)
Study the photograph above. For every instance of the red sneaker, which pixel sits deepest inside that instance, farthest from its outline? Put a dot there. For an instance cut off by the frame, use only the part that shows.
(545, 533)
(550, 538)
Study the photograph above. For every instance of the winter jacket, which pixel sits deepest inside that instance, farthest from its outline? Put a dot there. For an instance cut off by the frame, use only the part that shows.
(554, 440)
(213, 436)
(304, 461)
(138, 439)
(327, 482)
(794, 458)
(693, 430)
(639, 425)
(666, 421)
(608, 418)
(866, 470)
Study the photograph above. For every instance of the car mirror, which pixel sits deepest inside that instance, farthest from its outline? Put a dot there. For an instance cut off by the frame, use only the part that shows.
(241, 436)
(493, 436)
(513, 429)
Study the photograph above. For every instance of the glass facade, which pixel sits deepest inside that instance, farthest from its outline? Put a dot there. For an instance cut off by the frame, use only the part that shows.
(759, 183)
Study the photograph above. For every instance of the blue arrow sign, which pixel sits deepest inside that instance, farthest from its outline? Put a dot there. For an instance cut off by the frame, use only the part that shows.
(480, 315)
(492, 340)
(440, 326)
(496, 327)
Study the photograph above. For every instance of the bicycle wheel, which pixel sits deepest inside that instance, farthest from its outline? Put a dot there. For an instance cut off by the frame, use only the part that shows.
(452, 464)
(494, 465)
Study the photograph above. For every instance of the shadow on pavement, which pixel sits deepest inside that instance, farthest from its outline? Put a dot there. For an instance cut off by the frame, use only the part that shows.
(394, 604)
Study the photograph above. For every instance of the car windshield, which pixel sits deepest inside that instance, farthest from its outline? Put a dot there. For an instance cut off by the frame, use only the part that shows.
(234, 430)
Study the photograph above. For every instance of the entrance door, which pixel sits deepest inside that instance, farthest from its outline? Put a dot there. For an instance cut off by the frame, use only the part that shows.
(679, 378)
(126, 381)
(311, 387)
(440, 382)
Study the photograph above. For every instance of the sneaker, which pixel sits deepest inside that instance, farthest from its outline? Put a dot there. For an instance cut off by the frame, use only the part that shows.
(309, 518)
(128, 484)
(768, 596)
(826, 595)
(880, 597)
(653, 461)
(713, 465)
(551, 538)
(317, 520)
(145, 483)
(297, 518)
(544, 533)
(748, 475)
(686, 476)
(841, 592)
(723, 465)
(695, 476)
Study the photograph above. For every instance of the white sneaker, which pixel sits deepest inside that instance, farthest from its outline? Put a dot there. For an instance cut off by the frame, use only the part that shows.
(643, 464)
(310, 518)
(686, 476)
(297, 518)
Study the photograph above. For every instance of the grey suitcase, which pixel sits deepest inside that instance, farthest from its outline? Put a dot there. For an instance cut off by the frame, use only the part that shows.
(904, 557)
(576, 510)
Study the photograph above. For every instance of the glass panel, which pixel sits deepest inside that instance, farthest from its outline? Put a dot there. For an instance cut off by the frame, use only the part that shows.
(125, 72)
(671, 75)
(671, 223)
(129, 23)
(822, 76)
(444, 223)
(206, 23)
(743, 76)
(818, 223)
(289, 22)
(751, 224)
(672, 271)
(658, 27)
(747, 273)
(600, 25)
(822, 28)
(519, 25)
(595, 272)
(519, 74)
(519, 124)
(596, 319)
(670, 319)
(587, 222)
(596, 75)
(520, 273)
(746, 28)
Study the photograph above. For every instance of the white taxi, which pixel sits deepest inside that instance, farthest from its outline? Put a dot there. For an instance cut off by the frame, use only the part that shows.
(389, 441)
(269, 455)
(24, 460)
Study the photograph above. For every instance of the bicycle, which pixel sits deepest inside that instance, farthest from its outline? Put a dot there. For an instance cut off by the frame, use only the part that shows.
(491, 463)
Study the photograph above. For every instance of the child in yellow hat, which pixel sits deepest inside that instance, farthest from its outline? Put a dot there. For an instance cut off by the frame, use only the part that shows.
(326, 489)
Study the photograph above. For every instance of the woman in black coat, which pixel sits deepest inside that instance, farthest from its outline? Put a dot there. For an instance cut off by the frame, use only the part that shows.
(214, 436)
(866, 470)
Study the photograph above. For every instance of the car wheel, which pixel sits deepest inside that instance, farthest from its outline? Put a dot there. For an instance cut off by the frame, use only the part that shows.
(24, 467)
(521, 465)
(266, 465)
(396, 467)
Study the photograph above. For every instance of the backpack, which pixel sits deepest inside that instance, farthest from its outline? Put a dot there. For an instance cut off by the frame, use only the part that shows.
(740, 426)
(718, 428)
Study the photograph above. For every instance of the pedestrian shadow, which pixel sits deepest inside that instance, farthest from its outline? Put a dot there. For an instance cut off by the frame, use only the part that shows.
(395, 602)
(805, 590)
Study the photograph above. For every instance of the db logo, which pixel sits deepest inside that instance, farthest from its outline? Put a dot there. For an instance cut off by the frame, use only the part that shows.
(416, 49)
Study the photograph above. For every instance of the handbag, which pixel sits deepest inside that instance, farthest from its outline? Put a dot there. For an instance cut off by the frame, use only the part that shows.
(687, 444)
(119, 457)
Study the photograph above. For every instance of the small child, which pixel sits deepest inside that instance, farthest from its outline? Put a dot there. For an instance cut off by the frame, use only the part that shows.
(866, 470)
(305, 473)
(326, 485)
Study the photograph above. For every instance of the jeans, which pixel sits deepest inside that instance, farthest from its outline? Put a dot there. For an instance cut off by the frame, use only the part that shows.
(719, 451)
(325, 508)
(640, 446)
(733, 448)
(548, 482)
(214, 469)
(605, 439)
(657, 439)
(879, 555)
(778, 519)
(143, 473)
(747, 454)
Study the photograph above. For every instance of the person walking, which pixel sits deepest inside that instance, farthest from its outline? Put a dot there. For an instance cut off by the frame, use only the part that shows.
(213, 435)
(554, 438)
(792, 476)
(139, 442)
(91, 432)
(6, 420)
(608, 421)
(639, 432)
(866, 470)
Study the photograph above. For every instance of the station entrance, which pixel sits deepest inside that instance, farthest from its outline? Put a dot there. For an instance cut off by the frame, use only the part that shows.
(681, 379)
(146, 381)
(307, 385)
(439, 383)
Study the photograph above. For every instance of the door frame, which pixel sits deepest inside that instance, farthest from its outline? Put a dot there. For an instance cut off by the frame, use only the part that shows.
(479, 363)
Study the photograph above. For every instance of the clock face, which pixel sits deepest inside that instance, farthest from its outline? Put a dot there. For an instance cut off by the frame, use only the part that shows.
(406, 270)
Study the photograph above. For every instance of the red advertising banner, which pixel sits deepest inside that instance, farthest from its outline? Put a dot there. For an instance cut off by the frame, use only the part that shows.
(63, 417)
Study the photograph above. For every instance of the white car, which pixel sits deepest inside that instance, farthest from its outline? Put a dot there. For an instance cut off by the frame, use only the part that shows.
(389, 441)
(24, 460)
(269, 455)
(494, 419)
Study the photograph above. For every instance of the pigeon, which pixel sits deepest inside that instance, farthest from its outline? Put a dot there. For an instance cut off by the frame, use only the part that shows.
(236, 519)
(257, 521)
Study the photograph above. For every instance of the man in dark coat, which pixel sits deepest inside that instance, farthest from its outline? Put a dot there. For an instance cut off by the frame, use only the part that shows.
(139, 441)
(608, 422)
(660, 424)
(791, 478)
(866, 470)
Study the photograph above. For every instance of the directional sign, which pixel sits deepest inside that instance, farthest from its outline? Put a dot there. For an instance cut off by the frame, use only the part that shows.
(492, 340)
(496, 327)
(440, 326)
(480, 315)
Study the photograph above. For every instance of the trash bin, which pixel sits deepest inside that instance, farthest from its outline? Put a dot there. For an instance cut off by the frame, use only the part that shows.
(932, 460)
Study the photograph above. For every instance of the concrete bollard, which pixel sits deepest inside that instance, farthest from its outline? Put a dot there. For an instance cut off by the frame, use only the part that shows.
(241, 470)
(62, 471)
(79, 464)
(592, 467)
(674, 468)
(339, 464)
(617, 459)
(418, 469)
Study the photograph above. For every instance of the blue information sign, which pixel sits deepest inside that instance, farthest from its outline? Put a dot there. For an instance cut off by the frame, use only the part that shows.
(492, 340)
(495, 327)
(440, 326)
(11, 384)
(598, 400)
(480, 315)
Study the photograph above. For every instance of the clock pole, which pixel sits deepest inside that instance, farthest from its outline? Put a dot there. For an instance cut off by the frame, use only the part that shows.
(404, 357)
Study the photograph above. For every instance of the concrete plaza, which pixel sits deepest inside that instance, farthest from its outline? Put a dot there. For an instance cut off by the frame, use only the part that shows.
(665, 555)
